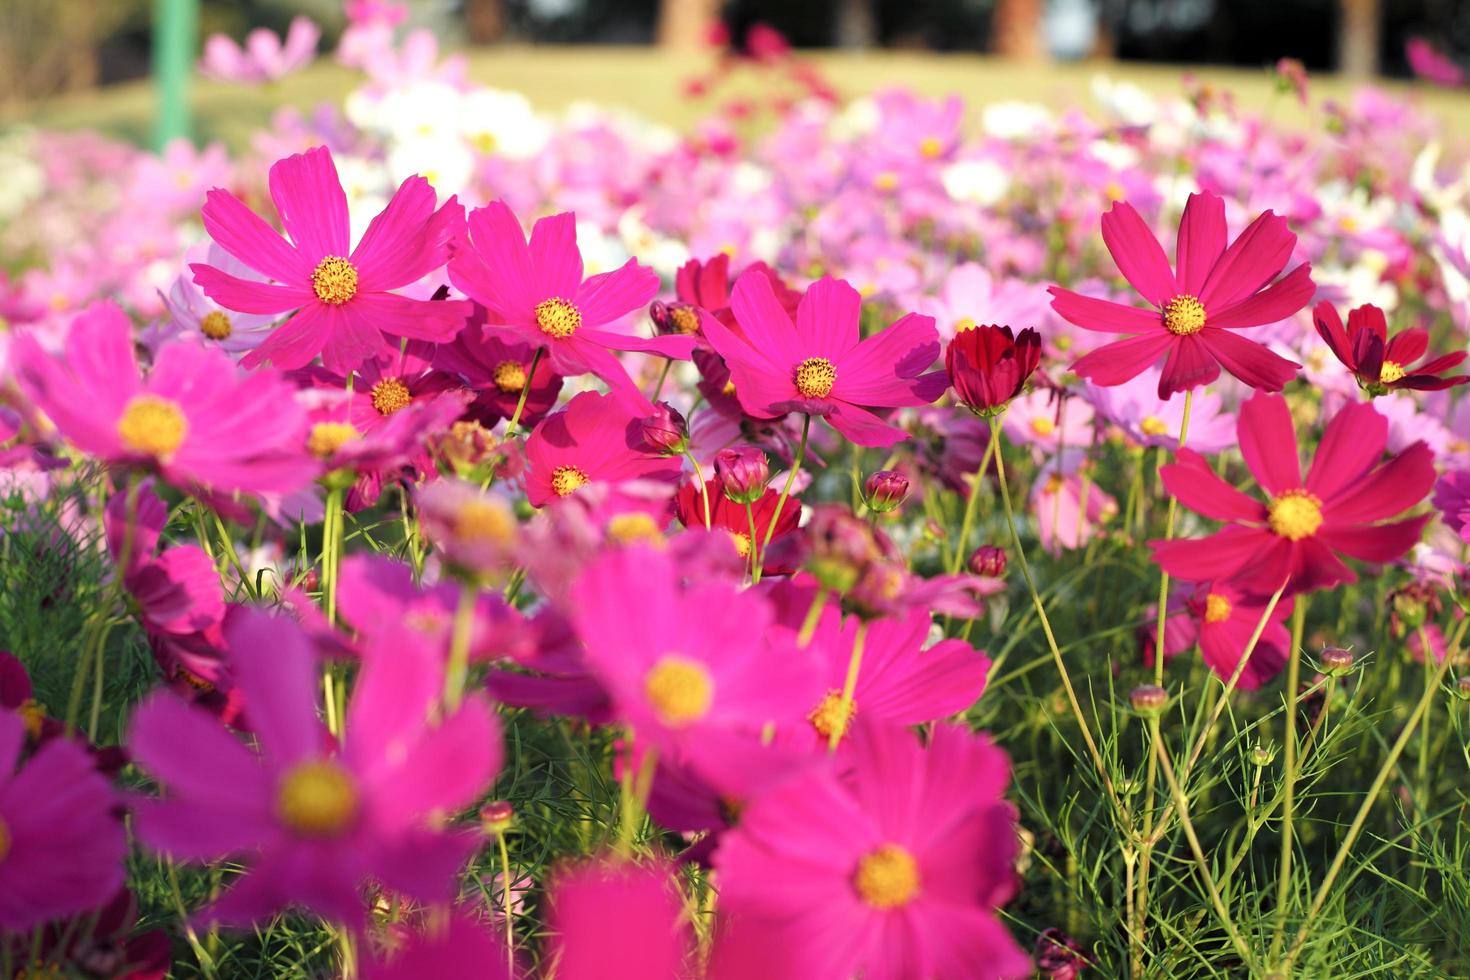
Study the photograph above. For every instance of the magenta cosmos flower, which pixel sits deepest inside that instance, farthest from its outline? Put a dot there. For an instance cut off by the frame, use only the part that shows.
(312, 820)
(61, 847)
(820, 365)
(536, 289)
(1222, 618)
(194, 418)
(1212, 292)
(343, 295)
(1295, 537)
(1380, 363)
(694, 669)
(595, 439)
(892, 873)
(605, 911)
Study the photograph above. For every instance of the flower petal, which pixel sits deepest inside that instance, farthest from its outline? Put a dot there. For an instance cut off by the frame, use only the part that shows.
(1268, 443)
(1351, 445)
(1387, 491)
(313, 207)
(1138, 253)
(1198, 488)
(1375, 542)
(1189, 365)
(1218, 555)
(1249, 361)
(827, 319)
(1124, 360)
(1103, 315)
(612, 295)
(246, 236)
(1271, 305)
(1251, 261)
(1203, 235)
(247, 296)
(555, 256)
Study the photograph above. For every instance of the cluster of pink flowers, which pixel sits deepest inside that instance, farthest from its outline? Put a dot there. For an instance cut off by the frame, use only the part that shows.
(556, 465)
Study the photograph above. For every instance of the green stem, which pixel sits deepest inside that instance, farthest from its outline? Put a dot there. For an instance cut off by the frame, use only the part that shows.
(961, 546)
(1288, 800)
(515, 419)
(658, 389)
(703, 487)
(813, 616)
(510, 931)
(849, 684)
(457, 673)
(98, 625)
(755, 551)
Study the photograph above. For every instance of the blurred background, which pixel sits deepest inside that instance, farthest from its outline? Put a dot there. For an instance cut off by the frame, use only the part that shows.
(85, 62)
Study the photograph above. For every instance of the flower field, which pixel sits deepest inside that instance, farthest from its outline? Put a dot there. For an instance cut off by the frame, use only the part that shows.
(885, 537)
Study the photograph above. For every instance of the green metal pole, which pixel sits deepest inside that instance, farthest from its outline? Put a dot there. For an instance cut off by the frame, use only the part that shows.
(175, 46)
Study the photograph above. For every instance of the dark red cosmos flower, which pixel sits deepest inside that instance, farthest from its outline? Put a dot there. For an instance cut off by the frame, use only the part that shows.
(1381, 364)
(1214, 292)
(988, 366)
(1296, 536)
(726, 514)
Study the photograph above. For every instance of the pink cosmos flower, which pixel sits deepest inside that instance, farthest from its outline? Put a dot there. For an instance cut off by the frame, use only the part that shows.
(1432, 65)
(178, 591)
(61, 847)
(1048, 423)
(314, 820)
(892, 873)
(1452, 500)
(386, 385)
(1294, 539)
(608, 912)
(695, 670)
(596, 438)
(497, 367)
(536, 289)
(1148, 420)
(1222, 618)
(1214, 292)
(194, 418)
(194, 313)
(464, 948)
(343, 295)
(264, 58)
(971, 295)
(819, 365)
(1064, 519)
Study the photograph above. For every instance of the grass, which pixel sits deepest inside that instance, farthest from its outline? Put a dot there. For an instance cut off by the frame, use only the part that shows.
(649, 82)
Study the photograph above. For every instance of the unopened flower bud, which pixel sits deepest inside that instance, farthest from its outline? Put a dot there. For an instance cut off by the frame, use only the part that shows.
(1261, 755)
(497, 816)
(743, 473)
(988, 561)
(1336, 661)
(1148, 699)
(886, 490)
(665, 430)
(842, 547)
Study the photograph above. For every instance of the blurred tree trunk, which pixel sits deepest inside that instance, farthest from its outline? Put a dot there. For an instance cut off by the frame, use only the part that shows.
(855, 27)
(684, 24)
(1016, 30)
(1358, 36)
(484, 21)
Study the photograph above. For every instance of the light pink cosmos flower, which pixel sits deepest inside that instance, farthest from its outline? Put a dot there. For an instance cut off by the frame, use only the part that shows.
(1047, 423)
(194, 418)
(196, 314)
(343, 295)
(314, 820)
(892, 873)
(1064, 519)
(820, 365)
(61, 847)
(971, 296)
(607, 912)
(1214, 292)
(1148, 420)
(264, 58)
(536, 289)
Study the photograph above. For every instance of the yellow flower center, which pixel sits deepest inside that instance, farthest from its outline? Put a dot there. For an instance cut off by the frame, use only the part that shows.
(1152, 425)
(484, 142)
(484, 521)
(729, 389)
(389, 395)
(510, 377)
(152, 426)
(830, 716)
(317, 799)
(33, 715)
(964, 323)
(567, 480)
(334, 280)
(815, 377)
(557, 317)
(886, 181)
(1043, 426)
(328, 437)
(216, 326)
(887, 878)
(1184, 315)
(679, 689)
(634, 528)
(1390, 372)
(4, 840)
(686, 321)
(1217, 608)
(1294, 515)
(931, 147)
(742, 543)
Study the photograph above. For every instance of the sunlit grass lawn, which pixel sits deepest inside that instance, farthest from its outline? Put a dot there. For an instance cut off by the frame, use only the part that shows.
(649, 82)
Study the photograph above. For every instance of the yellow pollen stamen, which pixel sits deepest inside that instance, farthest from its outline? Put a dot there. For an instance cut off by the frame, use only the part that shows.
(1043, 426)
(567, 480)
(1184, 315)
(557, 317)
(829, 716)
(484, 521)
(389, 395)
(33, 714)
(484, 142)
(4, 841)
(634, 528)
(1294, 515)
(729, 389)
(742, 543)
(931, 147)
(815, 377)
(216, 325)
(334, 280)
(887, 878)
(1217, 608)
(317, 799)
(1390, 372)
(964, 323)
(510, 377)
(193, 680)
(679, 689)
(686, 321)
(328, 437)
(1152, 425)
(886, 181)
(152, 426)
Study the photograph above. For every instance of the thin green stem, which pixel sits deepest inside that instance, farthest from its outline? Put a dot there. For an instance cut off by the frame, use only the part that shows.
(515, 420)
(960, 550)
(1288, 799)
(755, 551)
(510, 929)
(658, 389)
(703, 487)
(849, 684)
(457, 672)
(813, 615)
